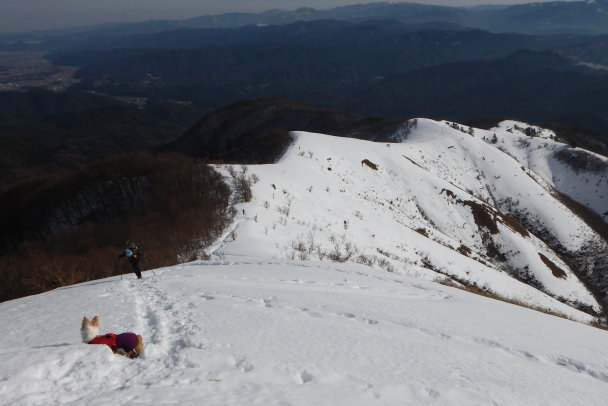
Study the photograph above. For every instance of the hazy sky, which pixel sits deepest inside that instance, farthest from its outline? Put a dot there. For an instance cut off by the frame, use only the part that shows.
(26, 15)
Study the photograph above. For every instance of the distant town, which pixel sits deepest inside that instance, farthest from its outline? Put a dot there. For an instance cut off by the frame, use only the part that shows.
(30, 69)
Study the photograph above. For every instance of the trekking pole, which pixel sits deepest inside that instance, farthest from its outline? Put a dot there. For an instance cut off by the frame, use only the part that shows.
(121, 271)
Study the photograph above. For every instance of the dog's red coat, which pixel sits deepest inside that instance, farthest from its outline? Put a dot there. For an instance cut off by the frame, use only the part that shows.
(107, 339)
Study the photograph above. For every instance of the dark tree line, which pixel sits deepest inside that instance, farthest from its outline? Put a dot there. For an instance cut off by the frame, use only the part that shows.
(69, 229)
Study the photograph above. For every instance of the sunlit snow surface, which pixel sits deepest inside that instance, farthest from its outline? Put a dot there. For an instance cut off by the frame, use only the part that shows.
(253, 332)
(271, 320)
(589, 188)
(410, 211)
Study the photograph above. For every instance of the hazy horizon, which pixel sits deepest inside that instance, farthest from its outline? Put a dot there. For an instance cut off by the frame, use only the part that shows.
(29, 15)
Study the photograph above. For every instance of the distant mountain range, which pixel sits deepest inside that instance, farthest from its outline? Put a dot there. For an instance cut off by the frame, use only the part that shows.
(380, 67)
(388, 61)
(537, 86)
(581, 17)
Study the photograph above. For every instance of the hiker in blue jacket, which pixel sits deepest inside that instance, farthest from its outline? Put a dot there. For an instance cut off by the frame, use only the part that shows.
(134, 254)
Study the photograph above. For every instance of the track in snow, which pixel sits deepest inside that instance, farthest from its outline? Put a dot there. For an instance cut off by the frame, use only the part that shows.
(165, 322)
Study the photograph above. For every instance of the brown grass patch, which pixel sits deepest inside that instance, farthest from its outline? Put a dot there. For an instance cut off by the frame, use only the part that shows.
(448, 193)
(487, 217)
(463, 285)
(412, 161)
(467, 287)
(556, 270)
(464, 250)
(422, 231)
(483, 216)
(598, 325)
(513, 224)
(370, 164)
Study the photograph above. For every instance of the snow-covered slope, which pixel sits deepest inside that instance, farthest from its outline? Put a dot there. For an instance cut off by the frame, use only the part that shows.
(425, 207)
(580, 174)
(322, 291)
(264, 332)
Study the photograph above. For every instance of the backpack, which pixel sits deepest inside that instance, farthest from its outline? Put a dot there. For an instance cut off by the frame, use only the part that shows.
(133, 252)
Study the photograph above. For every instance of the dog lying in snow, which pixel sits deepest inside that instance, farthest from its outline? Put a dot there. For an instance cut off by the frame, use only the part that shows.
(128, 344)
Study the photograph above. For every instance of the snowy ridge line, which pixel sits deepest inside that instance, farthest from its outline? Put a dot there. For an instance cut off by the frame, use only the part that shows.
(391, 211)
(234, 261)
(215, 249)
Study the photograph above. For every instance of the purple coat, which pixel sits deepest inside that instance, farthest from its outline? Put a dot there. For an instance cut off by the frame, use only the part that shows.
(126, 341)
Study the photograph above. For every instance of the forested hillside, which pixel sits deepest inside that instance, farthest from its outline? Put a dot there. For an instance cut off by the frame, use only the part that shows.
(60, 230)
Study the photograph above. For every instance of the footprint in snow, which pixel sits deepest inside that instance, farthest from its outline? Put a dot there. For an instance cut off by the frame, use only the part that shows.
(268, 302)
(363, 319)
(303, 377)
(243, 365)
(579, 367)
(305, 310)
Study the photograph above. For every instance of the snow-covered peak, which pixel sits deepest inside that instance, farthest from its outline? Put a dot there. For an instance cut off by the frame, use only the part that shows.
(432, 206)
